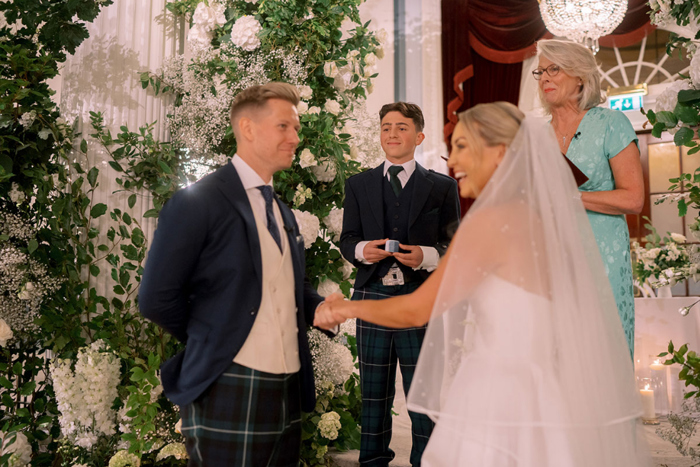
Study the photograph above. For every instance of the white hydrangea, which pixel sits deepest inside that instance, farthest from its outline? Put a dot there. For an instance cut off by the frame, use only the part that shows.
(5, 333)
(244, 33)
(176, 450)
(307, 159)
(205, 19)
(325, 172)
(330, 69)
(332, 106)
(44, 133)
(327, 288)
(668, 99)
(21, 449)
(85, 395)
(27, 119)
(124, 459)
(309, 226)
(305, 92)
(334, 223)
(329, 425)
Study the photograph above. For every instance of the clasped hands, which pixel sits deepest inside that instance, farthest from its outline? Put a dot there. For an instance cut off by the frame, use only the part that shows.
(374, 252)
(333, 311)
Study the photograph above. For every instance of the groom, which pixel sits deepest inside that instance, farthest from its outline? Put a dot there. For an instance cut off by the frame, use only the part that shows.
(400, 201)
(225, 275)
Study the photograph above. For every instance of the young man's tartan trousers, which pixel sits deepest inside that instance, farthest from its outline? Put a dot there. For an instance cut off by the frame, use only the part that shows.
(379, 348)
(247, 418)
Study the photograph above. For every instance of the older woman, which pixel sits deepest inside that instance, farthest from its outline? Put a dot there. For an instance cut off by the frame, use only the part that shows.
(603, 144)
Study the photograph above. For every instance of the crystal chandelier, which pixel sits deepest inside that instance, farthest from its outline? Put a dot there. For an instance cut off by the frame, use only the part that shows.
(583, 21)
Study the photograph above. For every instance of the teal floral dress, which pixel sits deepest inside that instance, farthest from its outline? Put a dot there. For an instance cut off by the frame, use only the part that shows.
(603, 134)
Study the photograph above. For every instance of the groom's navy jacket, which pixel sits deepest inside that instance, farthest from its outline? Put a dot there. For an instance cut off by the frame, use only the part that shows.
(432, 219)
(203, 283)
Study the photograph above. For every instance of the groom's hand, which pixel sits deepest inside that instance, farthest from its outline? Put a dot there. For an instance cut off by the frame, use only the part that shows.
(413, 258)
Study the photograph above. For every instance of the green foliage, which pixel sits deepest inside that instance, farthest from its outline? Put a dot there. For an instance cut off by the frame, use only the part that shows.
(690, 363)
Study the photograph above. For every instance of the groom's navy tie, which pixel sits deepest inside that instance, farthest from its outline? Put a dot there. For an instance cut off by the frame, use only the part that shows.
(269, 196)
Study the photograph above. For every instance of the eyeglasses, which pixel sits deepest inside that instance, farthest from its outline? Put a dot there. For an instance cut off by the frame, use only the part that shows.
(552, 70)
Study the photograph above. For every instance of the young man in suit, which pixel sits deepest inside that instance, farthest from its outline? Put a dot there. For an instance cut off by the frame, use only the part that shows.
(225, 275)
(401, 201)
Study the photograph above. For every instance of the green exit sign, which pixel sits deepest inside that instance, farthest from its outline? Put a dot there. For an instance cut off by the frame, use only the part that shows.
(626, 102)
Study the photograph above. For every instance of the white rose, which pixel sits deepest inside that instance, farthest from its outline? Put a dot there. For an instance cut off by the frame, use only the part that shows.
(352, 55)
(380, 52)
(307, 159)
(327, 287)
(308, 226)
(244, 33)
(332, 106)
(44, 133)
(370, 88)
(5, 333)
(653, 253)
(325, 172)
(305, 92)
(382, 36)
(330, 69)
(695, 70)
(302, 107)
(678, 238)
(314, 110)
(178, 426)
(370, 59)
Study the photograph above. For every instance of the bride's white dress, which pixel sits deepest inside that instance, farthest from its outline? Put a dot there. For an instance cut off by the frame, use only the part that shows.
(509, 374)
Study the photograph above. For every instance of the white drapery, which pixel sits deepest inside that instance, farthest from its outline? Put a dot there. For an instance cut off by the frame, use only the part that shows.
(127, 38)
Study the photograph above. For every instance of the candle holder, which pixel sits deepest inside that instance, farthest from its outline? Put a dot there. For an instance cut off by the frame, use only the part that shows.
(653, 421)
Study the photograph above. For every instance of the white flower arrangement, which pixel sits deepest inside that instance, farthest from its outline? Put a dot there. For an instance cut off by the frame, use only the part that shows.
(329, 425)
(668, 99)
(176, 450)
(301, 194)
(302, 107)
(17, 196)
(363, 128)
(332, 106)
(334, 223)
(307, 159)
(327, 287)
(308, 226)
(205, 20)
(85, 395)
(330, 69)
(325, 172)
(244, 33)
(124, 459)
(305, 92)
(27, 119)
(332, 361)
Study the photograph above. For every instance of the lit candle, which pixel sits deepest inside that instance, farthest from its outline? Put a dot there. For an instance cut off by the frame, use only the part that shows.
(657, 365)
(648, 409)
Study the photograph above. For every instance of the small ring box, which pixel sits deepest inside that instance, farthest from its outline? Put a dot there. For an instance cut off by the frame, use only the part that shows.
(392, 246)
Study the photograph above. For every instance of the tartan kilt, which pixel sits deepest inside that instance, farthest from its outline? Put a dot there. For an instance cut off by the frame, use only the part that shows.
(246, 418)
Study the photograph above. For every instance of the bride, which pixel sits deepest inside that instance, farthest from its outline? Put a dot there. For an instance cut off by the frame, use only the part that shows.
(525, 361)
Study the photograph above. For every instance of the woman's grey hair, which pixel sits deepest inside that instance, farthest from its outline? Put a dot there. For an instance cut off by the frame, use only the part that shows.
(576, 60)
(495, 123)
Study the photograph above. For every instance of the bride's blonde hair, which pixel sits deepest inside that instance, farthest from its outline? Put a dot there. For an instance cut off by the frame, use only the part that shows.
(495, 123)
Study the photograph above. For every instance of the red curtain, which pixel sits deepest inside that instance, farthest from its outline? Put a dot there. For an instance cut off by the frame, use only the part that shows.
(484, 43)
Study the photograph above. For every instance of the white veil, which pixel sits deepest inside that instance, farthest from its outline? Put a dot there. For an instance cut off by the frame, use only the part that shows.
(525, 346)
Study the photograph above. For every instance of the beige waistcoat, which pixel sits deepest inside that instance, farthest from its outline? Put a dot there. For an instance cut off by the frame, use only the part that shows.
(272, 345)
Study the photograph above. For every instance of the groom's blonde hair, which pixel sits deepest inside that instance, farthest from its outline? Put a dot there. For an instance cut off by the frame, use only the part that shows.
(255, 97)
(495, 123)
